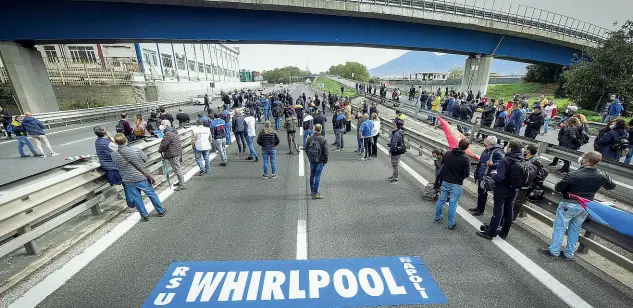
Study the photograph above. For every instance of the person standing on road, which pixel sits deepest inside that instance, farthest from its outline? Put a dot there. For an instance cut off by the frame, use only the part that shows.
(239, 129)
(375, 132)
(171, 149)
(317, 152)
(548, 111)
(615, 110)
(7, 117)
(164, 115)
(268, 140)
(183, 117)
(569, 137)
(585, 183)
(218, 131)
(130, 162)
(339, 129)
(504, 192)
(533, 123)
(488, 161)
(21, 134)
(35, 129)
(201, 144)
(365, 132)
(320, 118)
(454, 171)
(291, 130)
(396, 148)
(615, 143)
(226, 117)
(342, 90)
(308, 128)
(207, 105)
(250, 134)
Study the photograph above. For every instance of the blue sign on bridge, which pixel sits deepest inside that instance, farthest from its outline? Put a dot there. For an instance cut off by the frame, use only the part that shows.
(296, 283)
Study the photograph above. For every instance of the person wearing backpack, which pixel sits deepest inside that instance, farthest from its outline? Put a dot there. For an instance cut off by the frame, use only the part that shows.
(396, 148)
(268, 140)
(570, 215)
(277, 114)
(512, 174)
(317, 152)
(627, 160)
(218, 131)
(488, 161)
(239, 129)
(226, 117)
(123, 127)
(615, 143)
(291, 131)
(320, 118)
(529, 153)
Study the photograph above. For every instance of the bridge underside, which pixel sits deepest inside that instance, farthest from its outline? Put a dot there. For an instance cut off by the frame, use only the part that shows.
(76, 21)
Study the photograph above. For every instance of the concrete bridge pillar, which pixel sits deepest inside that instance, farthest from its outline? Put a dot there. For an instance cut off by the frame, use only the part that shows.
(27, 72)
(476, 74)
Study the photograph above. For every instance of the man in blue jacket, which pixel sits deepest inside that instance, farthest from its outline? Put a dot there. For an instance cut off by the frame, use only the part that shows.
(615, 110)
(35, 129)
(339, 129)
(488, 161)
(516, 121)
(504, 193)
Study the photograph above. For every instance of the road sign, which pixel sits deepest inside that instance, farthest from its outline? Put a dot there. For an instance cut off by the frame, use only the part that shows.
(296, 283)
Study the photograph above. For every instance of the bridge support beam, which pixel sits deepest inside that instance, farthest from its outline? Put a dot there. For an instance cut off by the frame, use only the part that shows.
(27, 72)
(476, 74)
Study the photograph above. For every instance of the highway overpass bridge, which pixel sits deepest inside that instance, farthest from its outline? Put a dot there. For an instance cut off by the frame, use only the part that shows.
(515, 32)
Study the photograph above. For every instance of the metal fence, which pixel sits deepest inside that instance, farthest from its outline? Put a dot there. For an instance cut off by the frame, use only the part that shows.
(505, 12)
(104, 71)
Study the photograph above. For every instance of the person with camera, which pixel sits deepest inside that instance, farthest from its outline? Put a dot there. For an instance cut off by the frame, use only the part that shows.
(584, 182)
(486, 168)
(512, 174)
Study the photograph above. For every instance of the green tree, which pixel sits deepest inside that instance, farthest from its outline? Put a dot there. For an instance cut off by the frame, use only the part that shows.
(284, 74)
(606, 70)
(351, 70)
(456, 73)
(538, 73)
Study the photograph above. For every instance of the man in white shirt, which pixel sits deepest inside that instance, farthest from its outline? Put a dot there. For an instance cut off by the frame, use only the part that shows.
(201, 144)
(547, 113)
(251, 133)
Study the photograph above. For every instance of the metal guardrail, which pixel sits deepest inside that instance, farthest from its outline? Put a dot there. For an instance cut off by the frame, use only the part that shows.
(519, 15)
(550, 203)
(63, 118)
(32, 210)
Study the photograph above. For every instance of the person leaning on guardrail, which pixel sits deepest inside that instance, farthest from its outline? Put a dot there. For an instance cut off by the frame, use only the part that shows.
(585, 183)
(130, 162)
(171, 149)
(35, 129)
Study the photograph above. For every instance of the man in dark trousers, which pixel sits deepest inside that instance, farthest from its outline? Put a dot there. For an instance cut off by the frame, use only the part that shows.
(6, 117)
(206, 102)
(504, 193)
(454, 172)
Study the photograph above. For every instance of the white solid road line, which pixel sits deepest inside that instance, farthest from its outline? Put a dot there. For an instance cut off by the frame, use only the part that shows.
(80, 140)
(562, 291)
(302, 240)
(300, 130)
(407, 168)
(35, 295)
(301, 164)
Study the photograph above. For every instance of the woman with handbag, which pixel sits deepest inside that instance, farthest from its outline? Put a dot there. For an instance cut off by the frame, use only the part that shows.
(130, 162)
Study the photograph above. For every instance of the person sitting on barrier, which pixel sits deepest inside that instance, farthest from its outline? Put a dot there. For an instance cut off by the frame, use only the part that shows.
(130, 162)
(486, 168)
(512, 173)
(585, 183)
(152, 123)
(515, 122)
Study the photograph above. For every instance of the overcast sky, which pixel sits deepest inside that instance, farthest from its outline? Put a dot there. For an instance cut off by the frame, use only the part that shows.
(319, 58)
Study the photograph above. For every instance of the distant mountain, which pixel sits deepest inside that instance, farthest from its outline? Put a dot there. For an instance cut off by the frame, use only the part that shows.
(429, 62)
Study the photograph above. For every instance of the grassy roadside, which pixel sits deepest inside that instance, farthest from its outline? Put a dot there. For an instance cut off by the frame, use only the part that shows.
(333, 86)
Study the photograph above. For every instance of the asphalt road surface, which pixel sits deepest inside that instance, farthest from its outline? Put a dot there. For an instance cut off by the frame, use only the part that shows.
(234, 214)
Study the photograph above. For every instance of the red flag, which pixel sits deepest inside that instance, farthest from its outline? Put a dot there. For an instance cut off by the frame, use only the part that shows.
(453, 136)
